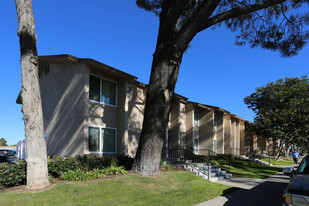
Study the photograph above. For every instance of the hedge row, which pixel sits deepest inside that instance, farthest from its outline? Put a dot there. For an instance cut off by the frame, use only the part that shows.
(15, 174)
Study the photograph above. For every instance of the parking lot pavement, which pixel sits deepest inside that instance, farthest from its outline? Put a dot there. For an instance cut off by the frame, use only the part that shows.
(267, 193)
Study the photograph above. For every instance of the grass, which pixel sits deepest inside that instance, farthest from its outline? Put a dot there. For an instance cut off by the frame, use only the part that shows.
(279, 162)
(284, 161)
(169, 188)
(252, 170)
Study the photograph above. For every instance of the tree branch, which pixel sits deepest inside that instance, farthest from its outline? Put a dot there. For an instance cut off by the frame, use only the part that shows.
(236, 12)
(191, 27)
(169, 20)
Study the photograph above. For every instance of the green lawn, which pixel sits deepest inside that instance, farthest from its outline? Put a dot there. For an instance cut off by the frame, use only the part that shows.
(284, 161)
(252, 170)
(169, 188)
(279, 162)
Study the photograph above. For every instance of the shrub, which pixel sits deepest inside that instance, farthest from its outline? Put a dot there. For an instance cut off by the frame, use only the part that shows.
(90, 162)
(80, 175)
(125, 161)
(58, 165)
(12, 174)
(222, 162)
(168, 167)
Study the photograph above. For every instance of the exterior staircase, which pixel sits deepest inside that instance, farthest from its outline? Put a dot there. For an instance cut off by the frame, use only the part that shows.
(255, 160)
(203, 169)
(199, 165)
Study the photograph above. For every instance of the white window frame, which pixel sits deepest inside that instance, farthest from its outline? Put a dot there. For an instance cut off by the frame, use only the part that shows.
(101, 143)
(102, 78)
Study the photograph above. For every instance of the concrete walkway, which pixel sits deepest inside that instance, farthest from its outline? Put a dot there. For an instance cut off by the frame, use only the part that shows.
(266, 192)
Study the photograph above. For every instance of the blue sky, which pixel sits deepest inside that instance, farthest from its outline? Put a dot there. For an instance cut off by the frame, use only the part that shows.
(214, 71)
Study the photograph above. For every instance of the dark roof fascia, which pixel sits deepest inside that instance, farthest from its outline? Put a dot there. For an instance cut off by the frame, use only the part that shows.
(200, 105)
(108, 69)
(63, 58)
(59, 58)
(182, 98)
(218, 109)
(237, 117)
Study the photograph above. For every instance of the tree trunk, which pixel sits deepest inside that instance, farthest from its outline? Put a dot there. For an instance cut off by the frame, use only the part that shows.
(37, 172)
(164, 73)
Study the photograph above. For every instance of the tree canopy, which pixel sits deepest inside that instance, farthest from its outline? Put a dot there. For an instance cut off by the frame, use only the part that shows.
(3, 142)
(272, 24)
(276, 24)
(282, 110)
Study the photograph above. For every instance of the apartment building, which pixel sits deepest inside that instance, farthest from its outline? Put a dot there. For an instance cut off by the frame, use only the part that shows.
(92, 108)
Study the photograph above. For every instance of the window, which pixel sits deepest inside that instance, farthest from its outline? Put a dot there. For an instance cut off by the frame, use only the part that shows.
(196, 118)
(102, 90)
(215, 145)
(195, 145)
(215, 120)
(102, 140)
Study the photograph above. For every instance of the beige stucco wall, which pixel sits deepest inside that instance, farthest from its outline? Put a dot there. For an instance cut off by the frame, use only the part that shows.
(182, 124)
(177, 124)
(233, 136)
(126, 117)
(242, 137)
(206, 132)
(227, 134)
(63, 102)
(134, 117)
(173, 124)
(220, 132)
(189, 124)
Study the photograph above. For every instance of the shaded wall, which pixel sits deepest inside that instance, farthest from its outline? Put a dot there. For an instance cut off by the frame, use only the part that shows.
(63, 102)
(189, 124)
(227, 134)
(134, 117)
(220, 133)
(206, 132)
(174, 127)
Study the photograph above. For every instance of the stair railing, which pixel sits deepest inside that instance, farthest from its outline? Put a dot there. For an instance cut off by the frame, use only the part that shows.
(211, 155)
(182, 154)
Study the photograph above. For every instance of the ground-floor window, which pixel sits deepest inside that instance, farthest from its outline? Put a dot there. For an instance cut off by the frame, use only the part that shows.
(215, 145)
(195, 145)
(102, 140)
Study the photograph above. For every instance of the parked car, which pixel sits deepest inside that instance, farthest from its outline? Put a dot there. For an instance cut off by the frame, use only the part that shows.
(3, 155)
(297, 191)
(11, 152)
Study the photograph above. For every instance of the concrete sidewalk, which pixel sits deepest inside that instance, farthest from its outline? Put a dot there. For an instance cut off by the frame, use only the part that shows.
(253, 191)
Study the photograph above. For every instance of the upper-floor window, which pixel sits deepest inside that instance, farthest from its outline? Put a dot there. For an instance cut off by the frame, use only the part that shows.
(196, 118)
(102, 90)
(215, 120)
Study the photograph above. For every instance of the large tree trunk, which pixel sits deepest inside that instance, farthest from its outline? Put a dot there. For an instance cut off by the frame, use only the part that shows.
(37, 172)
(164, 73)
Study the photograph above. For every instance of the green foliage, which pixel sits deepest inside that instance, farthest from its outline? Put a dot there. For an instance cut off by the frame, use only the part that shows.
(90, 162)
(169, 188)
(273, 25)
(12, 174)
(3, 142)
(167, 167)
(125, 161)
(81, 175)
(251, 170)
(59, 165)
(282, 110)
(77, 168)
